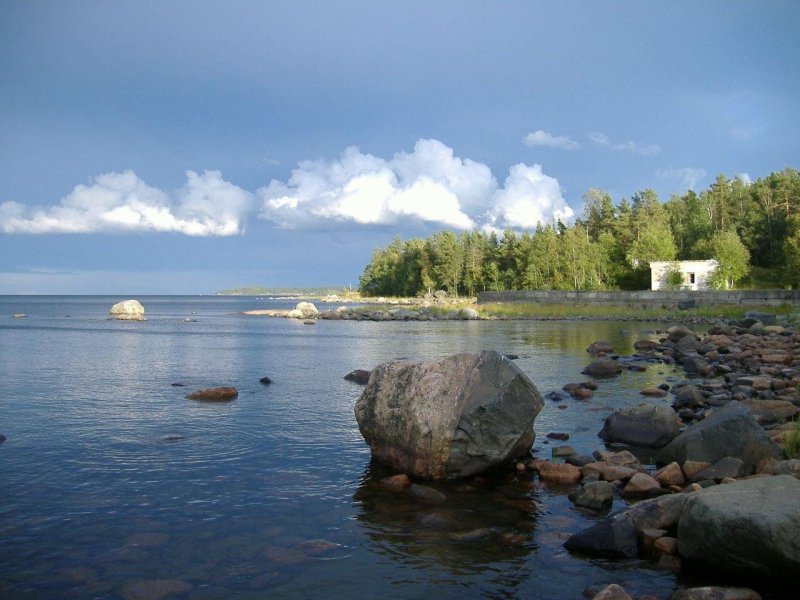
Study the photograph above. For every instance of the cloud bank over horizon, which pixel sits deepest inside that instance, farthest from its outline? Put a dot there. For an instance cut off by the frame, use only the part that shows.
(427, 186)
(206, 205)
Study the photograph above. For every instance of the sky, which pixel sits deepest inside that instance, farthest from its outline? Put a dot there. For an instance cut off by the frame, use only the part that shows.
(185, 147)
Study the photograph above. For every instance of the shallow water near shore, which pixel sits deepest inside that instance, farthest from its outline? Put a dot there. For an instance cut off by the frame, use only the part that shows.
(116, 486)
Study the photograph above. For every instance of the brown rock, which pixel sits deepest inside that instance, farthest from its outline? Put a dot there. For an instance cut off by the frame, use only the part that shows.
(715, 593)
(653, 392)
(670, 475)
(217, 394)
(396, 483)
(693, 467)
(558, 473)
(640, 485)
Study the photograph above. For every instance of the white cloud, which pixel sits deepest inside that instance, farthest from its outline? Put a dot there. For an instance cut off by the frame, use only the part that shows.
(542, 138)
(529, 197)
(429, 184)
(744, 178)
(601, 139)
(114, 202)
(688, 176)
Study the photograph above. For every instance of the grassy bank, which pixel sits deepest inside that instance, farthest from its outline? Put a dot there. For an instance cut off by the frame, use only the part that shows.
(525, 310)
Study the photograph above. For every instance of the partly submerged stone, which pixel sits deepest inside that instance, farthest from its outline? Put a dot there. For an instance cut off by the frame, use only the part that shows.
(448, 418)
(127, 310)
(217, 394)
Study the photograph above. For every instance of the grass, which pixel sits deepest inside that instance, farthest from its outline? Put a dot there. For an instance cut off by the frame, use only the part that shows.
(521, 310)
(791, 443)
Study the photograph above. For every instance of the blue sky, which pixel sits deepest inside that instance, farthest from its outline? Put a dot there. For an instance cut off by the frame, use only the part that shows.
(185, 147)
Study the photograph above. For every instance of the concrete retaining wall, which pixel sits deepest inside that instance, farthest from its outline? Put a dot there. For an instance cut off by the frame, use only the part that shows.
(648, 298)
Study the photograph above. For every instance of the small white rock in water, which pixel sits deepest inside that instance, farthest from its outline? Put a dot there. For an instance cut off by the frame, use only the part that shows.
(18, 316)
(127, 310)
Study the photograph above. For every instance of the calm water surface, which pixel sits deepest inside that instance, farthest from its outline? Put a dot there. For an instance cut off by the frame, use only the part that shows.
(116, 486)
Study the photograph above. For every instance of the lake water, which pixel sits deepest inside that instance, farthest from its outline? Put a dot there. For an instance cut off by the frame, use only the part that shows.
(116, 486)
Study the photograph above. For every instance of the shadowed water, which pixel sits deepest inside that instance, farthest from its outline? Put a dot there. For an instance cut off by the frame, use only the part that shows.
(116, 486)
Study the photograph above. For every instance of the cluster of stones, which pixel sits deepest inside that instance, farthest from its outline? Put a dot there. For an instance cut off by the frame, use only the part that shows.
(424, 312)
(722, 492)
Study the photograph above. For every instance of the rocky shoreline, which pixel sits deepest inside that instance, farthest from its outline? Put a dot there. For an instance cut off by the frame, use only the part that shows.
(716, 494)
(722, 496)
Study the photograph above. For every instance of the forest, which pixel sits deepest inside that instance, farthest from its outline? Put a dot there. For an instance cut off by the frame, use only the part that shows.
(752, 229)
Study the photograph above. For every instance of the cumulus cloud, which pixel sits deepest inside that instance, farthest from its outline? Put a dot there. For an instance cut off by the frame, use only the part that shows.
(688, 176)
(428, 185)
(115, 202)
(528, 197)
(542, 138)
(601, 139)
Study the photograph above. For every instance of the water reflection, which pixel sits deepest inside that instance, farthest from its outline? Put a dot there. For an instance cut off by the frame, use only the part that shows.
(483, 523)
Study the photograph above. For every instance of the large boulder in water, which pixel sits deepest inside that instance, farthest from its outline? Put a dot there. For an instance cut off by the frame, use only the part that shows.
(730, 431)
(448, 418)
(127, 310)
(752, 525)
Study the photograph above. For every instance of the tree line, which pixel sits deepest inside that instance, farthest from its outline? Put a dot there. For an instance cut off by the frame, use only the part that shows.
(739, 223)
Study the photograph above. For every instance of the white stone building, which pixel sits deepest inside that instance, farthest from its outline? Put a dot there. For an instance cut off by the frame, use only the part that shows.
(695, 273)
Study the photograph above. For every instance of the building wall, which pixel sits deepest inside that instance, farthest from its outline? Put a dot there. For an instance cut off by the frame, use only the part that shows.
(695, 273)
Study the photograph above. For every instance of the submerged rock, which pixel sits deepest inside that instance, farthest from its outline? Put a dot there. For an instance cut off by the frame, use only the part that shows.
(604, 367)
(217, 394)
(127, 310)
(450, 418)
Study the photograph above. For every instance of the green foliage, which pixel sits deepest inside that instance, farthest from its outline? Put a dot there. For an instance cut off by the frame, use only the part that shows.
(674, 277)
(791, 443)
(742, 225)
(733, 260)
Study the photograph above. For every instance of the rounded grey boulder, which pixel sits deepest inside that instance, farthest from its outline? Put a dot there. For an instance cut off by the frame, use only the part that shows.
(644, 425)
(448, 418)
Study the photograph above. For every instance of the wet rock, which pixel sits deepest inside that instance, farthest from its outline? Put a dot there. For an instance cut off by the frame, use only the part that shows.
(396, 483)
(642, 425)
(427, 494)
(557, 472)
(127, 310)
(653, 392)
(728, 431)
(612, 537)
(715, 593)
(603, 367)
(640, 484)
(562, 451)
(265, 380)
(688, 396)
(695, 365)
(751, 527)
(557, 435)
(317, 547)
(216, 394)
(19, 316)
(645, 345)
(359, 376)
(675, 333)
(594, 495)
(449, 418)
(669, 475)
(600, 347)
